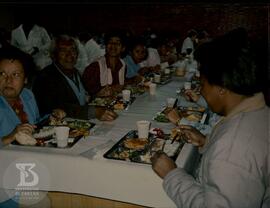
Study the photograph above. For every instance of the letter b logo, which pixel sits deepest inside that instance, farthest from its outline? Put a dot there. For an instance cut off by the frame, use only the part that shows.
(28, 177)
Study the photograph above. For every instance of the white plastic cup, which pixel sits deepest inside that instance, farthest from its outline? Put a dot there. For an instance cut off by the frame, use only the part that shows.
(187, 85)
(152, 88)
(164, 65)
(61, 133)
(143, 128)
(180, 71)
(167, 71)
(157, 78)
(170, 102)
(126, 95)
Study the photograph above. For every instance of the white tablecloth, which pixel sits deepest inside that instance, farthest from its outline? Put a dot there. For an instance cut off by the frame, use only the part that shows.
(82, 168)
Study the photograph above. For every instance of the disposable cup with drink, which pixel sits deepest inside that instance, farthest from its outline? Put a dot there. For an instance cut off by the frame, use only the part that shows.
(143, 127)
(62, 133)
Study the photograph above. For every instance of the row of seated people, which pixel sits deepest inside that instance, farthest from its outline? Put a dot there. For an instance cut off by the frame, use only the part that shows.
(61, 86)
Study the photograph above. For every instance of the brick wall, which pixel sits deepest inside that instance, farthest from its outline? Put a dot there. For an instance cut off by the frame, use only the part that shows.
(216, 18)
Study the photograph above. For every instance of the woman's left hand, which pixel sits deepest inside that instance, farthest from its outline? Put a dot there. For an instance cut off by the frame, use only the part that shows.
(104, 114)
(162, 164)
(172, 114)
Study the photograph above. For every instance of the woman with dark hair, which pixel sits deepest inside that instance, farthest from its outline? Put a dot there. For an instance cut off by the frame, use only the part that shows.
(17, 104)
(137, 53)
(18, 110)
(106, 76)
(234, 168)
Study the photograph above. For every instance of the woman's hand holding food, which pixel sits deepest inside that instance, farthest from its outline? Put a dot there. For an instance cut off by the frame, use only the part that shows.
(192, 135)
(24, 128)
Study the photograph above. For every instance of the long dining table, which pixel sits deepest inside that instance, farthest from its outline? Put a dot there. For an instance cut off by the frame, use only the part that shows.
(82, 169)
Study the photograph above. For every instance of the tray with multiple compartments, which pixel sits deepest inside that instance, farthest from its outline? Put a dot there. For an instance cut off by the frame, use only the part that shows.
(45, 137)
(193, 114)
(140, 150)
(116, 103)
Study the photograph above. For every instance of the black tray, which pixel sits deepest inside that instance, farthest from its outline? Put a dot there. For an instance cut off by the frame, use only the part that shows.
(160, 117)
(119, 99)
(50, 141)
(120, 152)
(109, 103)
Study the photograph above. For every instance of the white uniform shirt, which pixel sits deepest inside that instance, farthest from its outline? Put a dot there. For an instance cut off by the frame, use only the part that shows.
(153, 58)
(88, 53)
(187, 43)
(93, 50)
(38, 37)
(82, 60)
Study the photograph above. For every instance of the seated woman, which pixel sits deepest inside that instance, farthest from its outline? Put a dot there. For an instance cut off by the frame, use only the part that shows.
(18, 108)
(19, 111)
(159, 56)
(106, 76)
(152, 63)
(137, 53)
(59, 85)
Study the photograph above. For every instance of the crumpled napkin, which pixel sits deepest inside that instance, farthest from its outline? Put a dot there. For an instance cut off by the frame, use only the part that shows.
(25, 139)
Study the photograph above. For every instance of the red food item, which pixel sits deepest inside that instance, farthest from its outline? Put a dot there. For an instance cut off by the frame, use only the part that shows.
(40, 142)
(159, 131)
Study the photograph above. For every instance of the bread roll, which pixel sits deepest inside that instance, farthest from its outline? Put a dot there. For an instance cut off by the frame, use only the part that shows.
(25, 139)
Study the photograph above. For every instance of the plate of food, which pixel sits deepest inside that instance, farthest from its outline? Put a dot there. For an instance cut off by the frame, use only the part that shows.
(44, 135)
(102, 101)
(140, 150)
(191, 113)
(114, 103)
(78, 127)
(161, 117)
(136, 90)
(120, 104)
